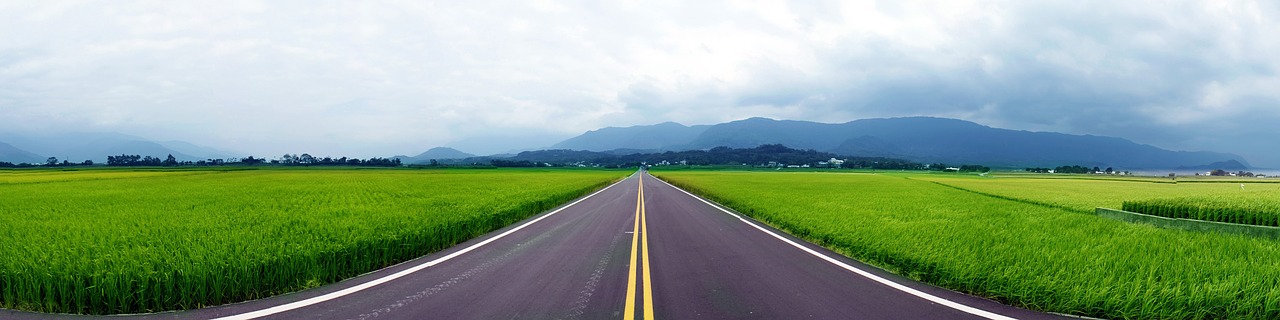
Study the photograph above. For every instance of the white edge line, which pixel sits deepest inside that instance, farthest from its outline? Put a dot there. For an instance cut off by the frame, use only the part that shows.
(366, 285)
(887, 282)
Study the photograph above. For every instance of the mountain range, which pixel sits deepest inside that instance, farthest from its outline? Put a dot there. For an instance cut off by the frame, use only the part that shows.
(11, 154)
(654, 137)
(437, 153)
(920, 139)
(923, 139)
(79, 147)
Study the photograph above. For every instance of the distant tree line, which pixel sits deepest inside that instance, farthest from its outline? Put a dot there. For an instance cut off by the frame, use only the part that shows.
(878, 163)
(309, 160)
(513, 163)
(51, 162)
(125, 160)
(133, 160)
(6, 164)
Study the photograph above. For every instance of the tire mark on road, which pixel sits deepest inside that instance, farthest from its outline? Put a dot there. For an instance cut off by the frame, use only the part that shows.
(579, 306)
(461, 277)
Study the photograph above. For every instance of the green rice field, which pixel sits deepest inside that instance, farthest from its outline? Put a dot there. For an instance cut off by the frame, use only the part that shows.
(129, 241)
(1086, 194)
(1025, 242)
(1260, 208)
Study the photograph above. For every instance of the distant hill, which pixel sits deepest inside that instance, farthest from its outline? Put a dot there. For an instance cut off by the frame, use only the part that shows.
(923, 139)
(638, 138)
(198, 151)
(99, 151)
(1229, 165)
(760, 156)
(443, 153)
(437, 153)
(560, 155)
(78, 147)
(11, 154)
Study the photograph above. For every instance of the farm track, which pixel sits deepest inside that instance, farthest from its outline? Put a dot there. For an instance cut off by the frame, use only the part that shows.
(585, 260)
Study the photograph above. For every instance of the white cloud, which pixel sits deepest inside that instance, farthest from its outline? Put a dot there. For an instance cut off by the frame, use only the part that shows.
(398, 77)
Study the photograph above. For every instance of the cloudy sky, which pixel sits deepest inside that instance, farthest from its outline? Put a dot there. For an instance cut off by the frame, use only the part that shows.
(383, 78)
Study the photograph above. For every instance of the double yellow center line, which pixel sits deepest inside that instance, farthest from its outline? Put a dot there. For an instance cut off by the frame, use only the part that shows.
(639, 237)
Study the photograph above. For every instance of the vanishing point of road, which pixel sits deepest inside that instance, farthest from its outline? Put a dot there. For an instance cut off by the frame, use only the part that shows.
(638, 249)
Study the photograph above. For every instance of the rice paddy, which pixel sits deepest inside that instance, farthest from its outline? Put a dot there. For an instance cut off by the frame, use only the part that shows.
(1027, 244)
(1084, 195)
(129, 241)
(1260, 208)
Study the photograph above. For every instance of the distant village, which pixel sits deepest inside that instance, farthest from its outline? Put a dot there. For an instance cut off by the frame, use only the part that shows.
(832, 163)
(1224, 173)
(1079, 170)
(1111, 171)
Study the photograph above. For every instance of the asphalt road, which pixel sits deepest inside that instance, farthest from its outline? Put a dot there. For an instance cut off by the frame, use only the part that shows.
(624, 252)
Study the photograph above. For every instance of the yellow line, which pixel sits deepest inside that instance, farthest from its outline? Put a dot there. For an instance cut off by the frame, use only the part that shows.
(644, 244)
(639, 236)
(630, 312)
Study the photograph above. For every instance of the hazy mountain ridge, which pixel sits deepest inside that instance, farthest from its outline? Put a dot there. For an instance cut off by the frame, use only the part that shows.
(765, 155)
(443, 153)
(79, 147)
(924, 139)
(437, 153)
(198, 151)
(1231, 165)
(651, 137)
(11, 154)
(920, 139)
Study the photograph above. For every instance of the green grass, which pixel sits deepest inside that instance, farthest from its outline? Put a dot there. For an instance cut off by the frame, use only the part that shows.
(125, 241)
(1024, 254)
(1254, 208)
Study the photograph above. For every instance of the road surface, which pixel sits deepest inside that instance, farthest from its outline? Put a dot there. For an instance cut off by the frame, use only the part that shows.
(639, 249)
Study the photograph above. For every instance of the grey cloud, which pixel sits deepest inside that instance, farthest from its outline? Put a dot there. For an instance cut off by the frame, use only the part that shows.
(399, 77)
(1089, 68)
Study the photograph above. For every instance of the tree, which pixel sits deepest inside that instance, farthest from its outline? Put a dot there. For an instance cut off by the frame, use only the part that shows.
(52, 161)
(170, 161)
(250, 160)
(1110, 170)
